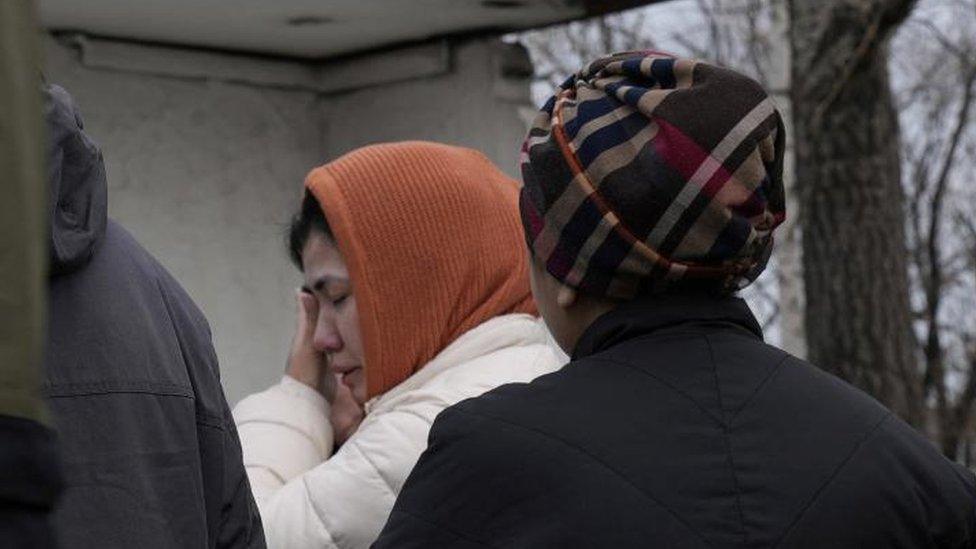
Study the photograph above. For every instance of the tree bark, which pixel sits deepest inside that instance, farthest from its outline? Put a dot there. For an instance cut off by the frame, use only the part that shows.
(858, 315)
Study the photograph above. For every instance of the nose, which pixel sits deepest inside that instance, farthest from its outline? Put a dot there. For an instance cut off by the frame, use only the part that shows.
(326, 338)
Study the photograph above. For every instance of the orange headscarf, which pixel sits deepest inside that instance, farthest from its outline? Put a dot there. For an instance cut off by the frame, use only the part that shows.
(434, 246)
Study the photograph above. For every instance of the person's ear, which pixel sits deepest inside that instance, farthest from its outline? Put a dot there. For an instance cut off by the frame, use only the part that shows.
(566, 296)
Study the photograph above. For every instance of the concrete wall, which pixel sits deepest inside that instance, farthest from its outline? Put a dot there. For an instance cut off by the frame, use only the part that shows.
(472, 104)
(206, 153)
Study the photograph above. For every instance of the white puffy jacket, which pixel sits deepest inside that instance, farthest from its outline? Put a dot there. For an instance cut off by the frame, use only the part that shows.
(308, 499)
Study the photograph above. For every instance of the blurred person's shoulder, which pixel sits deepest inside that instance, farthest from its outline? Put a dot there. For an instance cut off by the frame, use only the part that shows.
(129, 259)
(131, 311)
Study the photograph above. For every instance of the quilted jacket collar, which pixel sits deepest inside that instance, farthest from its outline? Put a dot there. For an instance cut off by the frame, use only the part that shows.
(649, 314)
(512, 330)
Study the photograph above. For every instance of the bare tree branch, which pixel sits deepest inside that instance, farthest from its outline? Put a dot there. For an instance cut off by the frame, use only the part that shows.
(934, 373)
(945, 41)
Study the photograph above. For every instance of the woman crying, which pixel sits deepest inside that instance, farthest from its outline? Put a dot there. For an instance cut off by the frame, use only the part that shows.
(416, 296)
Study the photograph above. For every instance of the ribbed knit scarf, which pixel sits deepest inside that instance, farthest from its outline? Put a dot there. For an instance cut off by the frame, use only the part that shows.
(431, 236)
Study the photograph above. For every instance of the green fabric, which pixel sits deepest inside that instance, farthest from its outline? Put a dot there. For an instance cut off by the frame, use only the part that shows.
(23, 249)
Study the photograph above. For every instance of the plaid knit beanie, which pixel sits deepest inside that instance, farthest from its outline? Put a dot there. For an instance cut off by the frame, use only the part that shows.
(645, 170)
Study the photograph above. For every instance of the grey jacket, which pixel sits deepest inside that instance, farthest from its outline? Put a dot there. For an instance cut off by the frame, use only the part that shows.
(150, 454)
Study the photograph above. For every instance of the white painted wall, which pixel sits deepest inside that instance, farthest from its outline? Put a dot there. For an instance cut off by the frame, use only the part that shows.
(206, 172)
(471, 105)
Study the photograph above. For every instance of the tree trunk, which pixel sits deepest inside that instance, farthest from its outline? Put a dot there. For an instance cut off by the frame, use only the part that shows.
(858, 316)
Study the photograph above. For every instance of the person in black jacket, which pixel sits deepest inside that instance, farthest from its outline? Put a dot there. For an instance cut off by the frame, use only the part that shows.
(652, 189)
(150, 453)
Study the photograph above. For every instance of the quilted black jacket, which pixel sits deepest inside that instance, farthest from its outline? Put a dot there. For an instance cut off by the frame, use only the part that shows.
(676, 426)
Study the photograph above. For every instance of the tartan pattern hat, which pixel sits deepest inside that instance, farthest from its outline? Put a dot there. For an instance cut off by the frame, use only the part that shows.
(645, 169)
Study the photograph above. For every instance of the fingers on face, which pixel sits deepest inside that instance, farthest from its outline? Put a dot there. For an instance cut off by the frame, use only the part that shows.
(307, 309)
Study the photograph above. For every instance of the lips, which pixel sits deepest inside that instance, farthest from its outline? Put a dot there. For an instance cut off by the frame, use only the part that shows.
(346, 373)
(343, 368)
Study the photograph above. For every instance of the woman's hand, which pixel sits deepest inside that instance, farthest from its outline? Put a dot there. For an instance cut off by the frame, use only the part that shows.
(305, 364)
(346, 413)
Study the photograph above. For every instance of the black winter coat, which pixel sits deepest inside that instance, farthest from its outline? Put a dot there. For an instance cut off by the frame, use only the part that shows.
(676, 426)
(149, 449)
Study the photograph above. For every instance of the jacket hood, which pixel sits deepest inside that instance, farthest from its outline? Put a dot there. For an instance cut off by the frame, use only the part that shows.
(78, 207)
